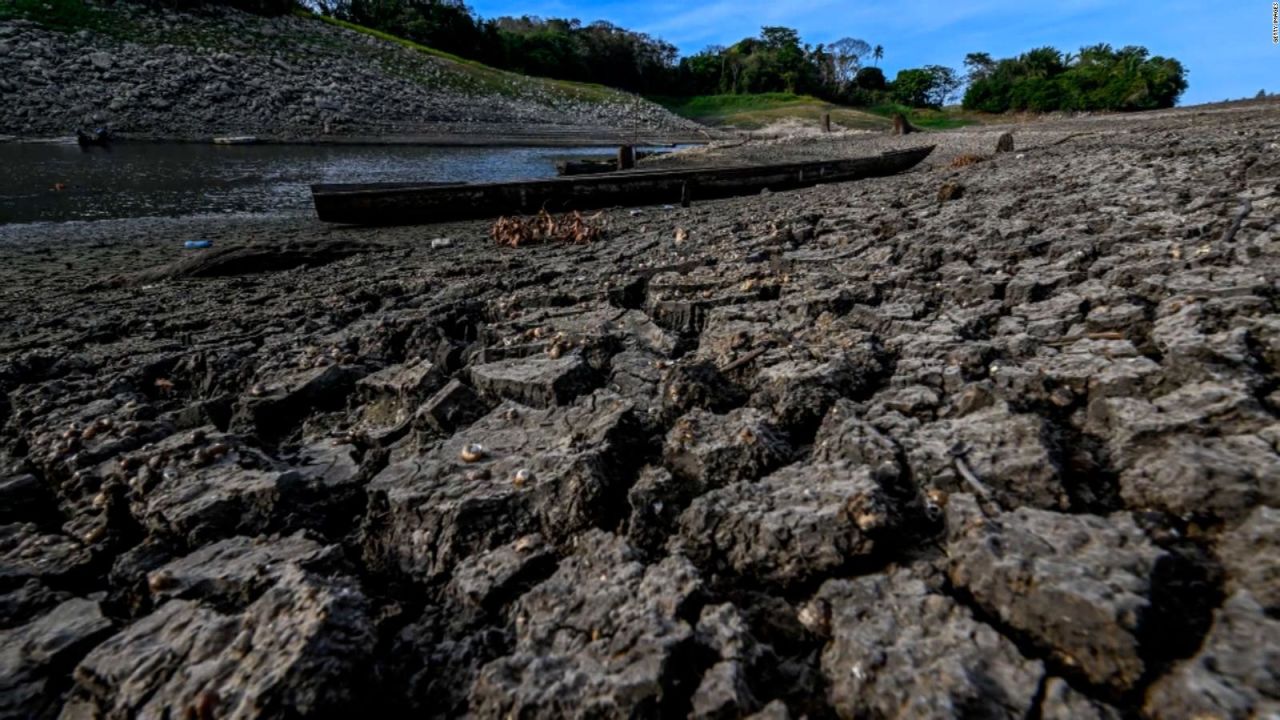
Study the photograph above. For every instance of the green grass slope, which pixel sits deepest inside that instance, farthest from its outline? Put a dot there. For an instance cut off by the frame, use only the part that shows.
(751, 112)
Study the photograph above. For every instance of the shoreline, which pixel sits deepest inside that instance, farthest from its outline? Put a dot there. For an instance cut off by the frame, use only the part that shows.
(533, 139)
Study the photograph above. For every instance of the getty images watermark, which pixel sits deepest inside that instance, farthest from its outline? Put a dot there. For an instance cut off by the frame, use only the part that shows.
(1275, 23)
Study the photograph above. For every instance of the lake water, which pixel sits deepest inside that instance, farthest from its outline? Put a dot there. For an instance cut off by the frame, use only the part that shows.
(61, 181)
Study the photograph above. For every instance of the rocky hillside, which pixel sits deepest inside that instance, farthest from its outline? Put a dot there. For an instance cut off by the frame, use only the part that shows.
(225, 72)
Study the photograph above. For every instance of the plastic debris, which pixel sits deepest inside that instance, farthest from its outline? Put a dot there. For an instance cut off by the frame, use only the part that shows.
(197, 244)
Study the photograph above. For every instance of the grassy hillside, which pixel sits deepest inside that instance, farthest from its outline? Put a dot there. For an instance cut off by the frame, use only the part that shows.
(483, 75)
(944, 119)
(750, 112)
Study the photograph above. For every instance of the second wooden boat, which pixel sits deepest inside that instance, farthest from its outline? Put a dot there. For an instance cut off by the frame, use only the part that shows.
(407, 203)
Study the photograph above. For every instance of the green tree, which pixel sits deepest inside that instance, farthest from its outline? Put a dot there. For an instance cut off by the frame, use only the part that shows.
(870, 78)
(1097, 78)
(912, 87)
(943, 86)
(847, 54)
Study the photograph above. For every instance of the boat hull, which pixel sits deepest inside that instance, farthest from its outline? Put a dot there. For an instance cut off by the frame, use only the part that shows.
(409, 203)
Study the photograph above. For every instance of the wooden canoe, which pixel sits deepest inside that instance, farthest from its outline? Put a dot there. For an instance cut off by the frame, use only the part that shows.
(408, 203)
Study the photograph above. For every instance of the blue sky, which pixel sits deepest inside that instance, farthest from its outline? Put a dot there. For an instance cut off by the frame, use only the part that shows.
(1226, 45)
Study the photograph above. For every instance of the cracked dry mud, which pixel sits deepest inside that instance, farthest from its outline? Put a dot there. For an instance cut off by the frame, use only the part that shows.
(847, 452)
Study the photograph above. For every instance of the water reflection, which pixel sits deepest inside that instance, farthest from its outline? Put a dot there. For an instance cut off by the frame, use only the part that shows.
(62, 181)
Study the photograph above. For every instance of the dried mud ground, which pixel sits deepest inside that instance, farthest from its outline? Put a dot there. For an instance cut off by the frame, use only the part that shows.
(880, 449)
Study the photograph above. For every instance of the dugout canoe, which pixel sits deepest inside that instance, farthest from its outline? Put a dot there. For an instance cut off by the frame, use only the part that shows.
(409, 203)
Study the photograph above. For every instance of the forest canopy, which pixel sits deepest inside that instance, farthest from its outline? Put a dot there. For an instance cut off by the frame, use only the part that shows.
(1096, 78)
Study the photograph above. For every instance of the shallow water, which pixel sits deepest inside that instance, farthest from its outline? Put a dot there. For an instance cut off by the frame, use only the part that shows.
(61, 181)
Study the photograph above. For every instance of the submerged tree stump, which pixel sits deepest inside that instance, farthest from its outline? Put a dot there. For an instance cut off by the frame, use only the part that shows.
(626, 157)
(1005, 143)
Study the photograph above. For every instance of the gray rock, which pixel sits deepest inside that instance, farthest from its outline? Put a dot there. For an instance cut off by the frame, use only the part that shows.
(723, 692)
(21, 604)
(101, 60)
(489, 581)
(283, 403)
(235, 571)
(539, 382)
(796, 525)
(27, 553)
(454, 407)
(391, 395)
(302, 647)
(554, 472)
(656, 499)
(1062, 702)
(799, 393)
(1164, 449)
(603, 636)
(1235, 675)
(1081, 586)
(712, 451)
(1250, 553)
(24, 498)
(34, 657)
(845, 436)
(1005, 451)
(243, 492)
(898, 649)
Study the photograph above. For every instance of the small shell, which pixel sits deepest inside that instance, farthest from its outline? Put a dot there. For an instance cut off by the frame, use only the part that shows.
(937, 497)
(869, 521)
(100, 500)
(95, 534)
(219, 449)
(103, 423)
(89, 433)
(206, 706)
(161, 580)
(522, 477)
(555, 351)
(473, 453)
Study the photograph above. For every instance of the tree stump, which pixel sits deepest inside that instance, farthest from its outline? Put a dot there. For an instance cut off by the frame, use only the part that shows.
(901, 126)
(826, 122)
(1005, 143)
(626, 157)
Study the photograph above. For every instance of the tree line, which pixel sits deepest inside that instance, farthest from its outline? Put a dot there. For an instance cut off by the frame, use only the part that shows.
(846, 71)
(1096, 78)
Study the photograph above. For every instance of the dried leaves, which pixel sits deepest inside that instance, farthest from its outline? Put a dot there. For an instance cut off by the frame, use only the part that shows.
(544, 228)
(966, 160)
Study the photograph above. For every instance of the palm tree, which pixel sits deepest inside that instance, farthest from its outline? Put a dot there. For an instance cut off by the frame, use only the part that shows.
(878, 53)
